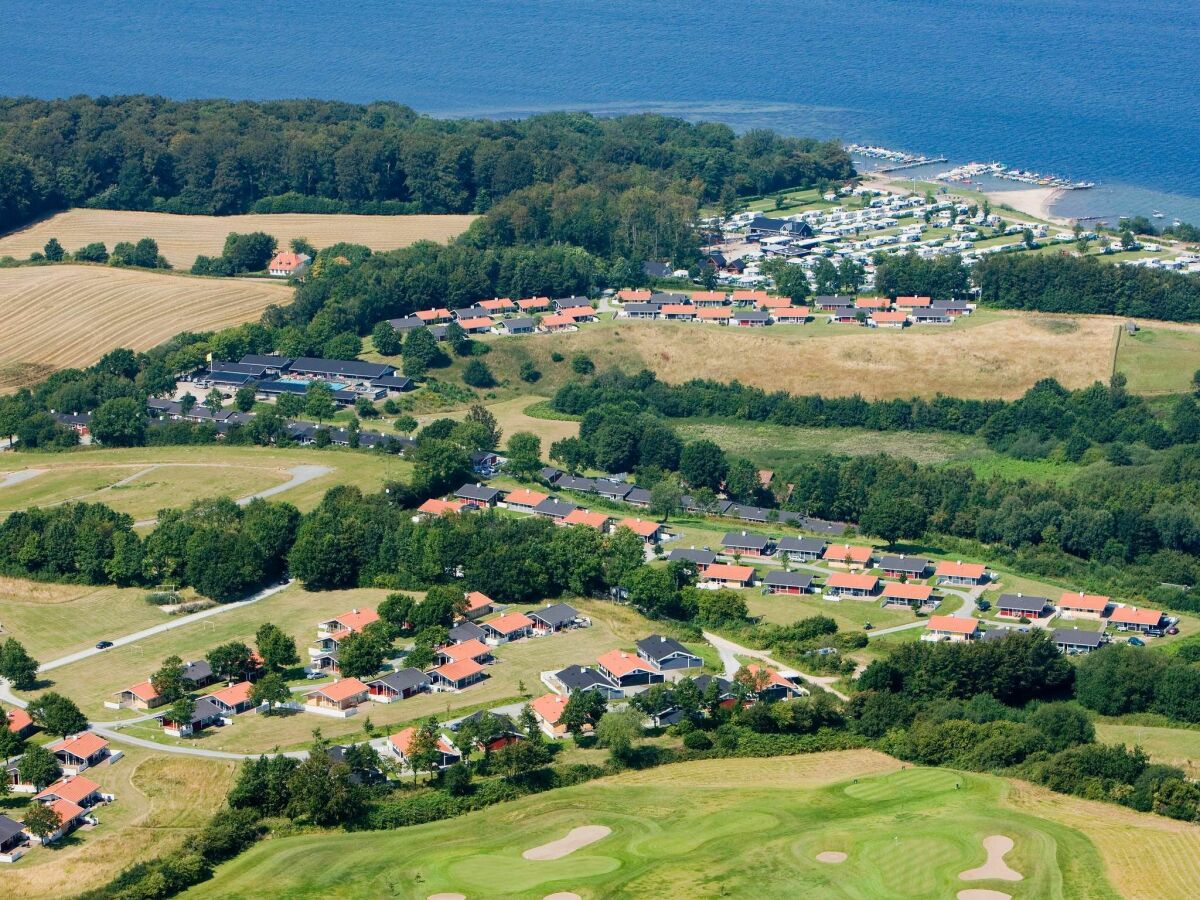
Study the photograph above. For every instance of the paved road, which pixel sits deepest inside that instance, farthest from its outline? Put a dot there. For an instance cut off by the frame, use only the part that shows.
(967, 611)
(299, 475)
(730, 651)
(114, 735)
(17, 477)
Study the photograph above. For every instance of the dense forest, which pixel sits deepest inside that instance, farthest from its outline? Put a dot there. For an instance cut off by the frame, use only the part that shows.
(222, 157)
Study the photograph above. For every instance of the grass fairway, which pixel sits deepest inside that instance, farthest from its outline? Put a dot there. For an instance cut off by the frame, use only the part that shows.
(182, 238)
(174, 476)
(1160, 358)
(737, 828)
(61, 316)
(160, 801)
(976, 357)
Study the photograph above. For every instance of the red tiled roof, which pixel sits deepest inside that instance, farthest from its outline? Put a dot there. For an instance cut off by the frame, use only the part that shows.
(952, 624)
(773, 677)
(678, 309)
(872, 302)
(576, 312)
(341, 690)
(889, 316)
(556, 320)
(851, 581)
(457, 671)
(428, 315)
(1131, 615)
(534, 303)
(435, 507)
(842, 552)
(797, 312)
(498, 303)
(81, 745)
(898, 591)
(726, 572)
(1089, 602)
(472, 649)
(634, 295)
(286, 260)
(355, 619)
(143, 691)
(620, 663)
(480, 322)
(959, 570)
(18, 719)
(75, 789)
(640, 527)
(478, 600)
(234, 694)
(67, 811)
(708, 297)
(747, 295)
(716, 312)
(510, 622)
(581, 516)
(550, 707)
(525, 497)
(913, 301)
(774, 302)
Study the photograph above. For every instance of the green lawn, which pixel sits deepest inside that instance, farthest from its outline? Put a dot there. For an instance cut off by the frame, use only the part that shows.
(736, 828)
(1172, 746)
(1159, 360)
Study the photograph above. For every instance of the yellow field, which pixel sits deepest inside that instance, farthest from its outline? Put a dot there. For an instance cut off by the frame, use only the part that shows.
(182, 238)
(63, 316)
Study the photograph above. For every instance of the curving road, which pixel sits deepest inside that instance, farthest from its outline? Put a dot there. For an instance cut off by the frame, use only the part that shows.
(299, 475)
(730, 651)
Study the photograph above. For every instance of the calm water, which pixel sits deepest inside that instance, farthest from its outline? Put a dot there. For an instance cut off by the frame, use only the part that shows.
(1103, 90)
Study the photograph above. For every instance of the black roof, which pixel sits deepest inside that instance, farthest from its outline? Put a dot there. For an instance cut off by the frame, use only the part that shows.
(267, 360)
(700, 557)
(408, 323)
(554, 614)
(232, 368)
(231, 377)
(480, 492)
(638, 495)
(519, 322)
(575, 483)
(746, 539)
(606, 488)
(903, 564)
(802, 545)
(751, 513)
(996, 634)
(753, 315)
(9, 828)
(833, 300)
(439, 332)
(552, 506)
(656, 269)
(781, 226)
(571, 302)
(779, 578)
(351, 368)
(1022, 602)
(1078, 637)
(703, 681)
(471, 312)
(661, 298)
(578, 678)
(198, 670)
(550, 474)
(506, 722)
(657, 647)
(395, 382)
(651, 308)
(403, 679)
(822, 526)
(465, 631)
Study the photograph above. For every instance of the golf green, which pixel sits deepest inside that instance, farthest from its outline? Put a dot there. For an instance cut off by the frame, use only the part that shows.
(733, 828)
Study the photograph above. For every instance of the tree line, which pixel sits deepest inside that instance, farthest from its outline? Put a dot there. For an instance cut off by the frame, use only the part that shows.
(224, 157)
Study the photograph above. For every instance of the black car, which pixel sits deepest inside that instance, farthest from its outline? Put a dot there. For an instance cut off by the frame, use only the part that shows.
(104, 645)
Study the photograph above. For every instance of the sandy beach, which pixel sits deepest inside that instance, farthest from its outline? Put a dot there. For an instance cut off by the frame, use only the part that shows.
(1031, 201)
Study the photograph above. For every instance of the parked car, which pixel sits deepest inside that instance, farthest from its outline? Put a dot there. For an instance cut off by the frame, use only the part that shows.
(1174, 629)
(1136, 642)
(103, 645)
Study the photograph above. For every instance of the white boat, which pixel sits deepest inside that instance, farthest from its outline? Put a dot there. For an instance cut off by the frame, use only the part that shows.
(1158, 215)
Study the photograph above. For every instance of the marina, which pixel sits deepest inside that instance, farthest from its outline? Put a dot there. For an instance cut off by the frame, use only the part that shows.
(970, 172)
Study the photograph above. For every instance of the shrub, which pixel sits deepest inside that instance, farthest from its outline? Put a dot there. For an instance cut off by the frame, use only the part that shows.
(478, 375)
(697, 740)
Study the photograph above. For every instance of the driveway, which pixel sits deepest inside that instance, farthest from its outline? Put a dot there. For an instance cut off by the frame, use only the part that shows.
(730, 651)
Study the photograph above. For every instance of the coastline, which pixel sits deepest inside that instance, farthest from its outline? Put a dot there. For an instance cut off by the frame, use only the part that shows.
(1037, 202)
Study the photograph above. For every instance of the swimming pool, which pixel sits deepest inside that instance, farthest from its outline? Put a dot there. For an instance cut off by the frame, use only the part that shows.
(332, 385)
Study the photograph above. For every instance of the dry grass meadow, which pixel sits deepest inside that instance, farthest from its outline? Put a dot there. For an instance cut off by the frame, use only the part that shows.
(61, 316)
(182, 238)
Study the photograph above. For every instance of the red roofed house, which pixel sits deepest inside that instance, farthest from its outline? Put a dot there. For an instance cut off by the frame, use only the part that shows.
(19, 721)
(355, 620)
(748, 296)
(435, 507)
(508, 627)
(285, 264)
(634, 295)
(950, 628)
(718, 315)
(477, 325)
(524, 500)
(70, 816)
(434, 315)
(76, 789)
(558, 322)
(580, 313)
(629, 669)
(901, 594)
(886, 318)
(478, 604)
(581, 516)
(650, 532)
(474, 649)
(911, 302)
(233, 699)
(969, 574)
(1130, 618)
(499, 305)
(773, 302)
(872, 302)
(708, 298)
(80, 752)
(340, 699)
(768, 684)
(724, 575)
(1083, 606)
(684, 312)
(847, 584)
(139, 696)
(848, 556)
(457, 675)
(401, 741)
(791, 315)
(548, 710)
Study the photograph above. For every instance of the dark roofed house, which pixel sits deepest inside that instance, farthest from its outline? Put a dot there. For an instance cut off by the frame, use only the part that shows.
(518, 325)
(268, 361)
(586, 678)
(398, 685)
(505, 730)
(640, 310)
(339, 368)
(612, 490)
(778, 582)
(466, 631)
(657, 269)
(554, 508)
(906, 566)
(801, 547)
(571, 302)
(550, 474)
(12, 839)
(1077, 640)
(764, 226)
(667, 653)
(397, 383)
(747, 543)
(757, 514)
(1017, 605)
(752, 318)
(553, 617)
(575, 483)
(199, 673)
(638, 497)
(702, 558)
(478, 493)
(833, 302)
(405, 325)
(471, 312)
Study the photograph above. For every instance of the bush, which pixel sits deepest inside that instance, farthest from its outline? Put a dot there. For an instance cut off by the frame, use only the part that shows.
(529, 372)
(478, 375)
(582, 364)
(697, 740)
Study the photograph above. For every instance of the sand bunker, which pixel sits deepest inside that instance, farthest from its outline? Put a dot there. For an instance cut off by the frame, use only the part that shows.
(996, 846)
(562, 895)
(447, 896)
(982, 894)
(575, 839)
(831, 856)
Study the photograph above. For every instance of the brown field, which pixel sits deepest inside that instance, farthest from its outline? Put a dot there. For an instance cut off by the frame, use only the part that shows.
(182, 238)
(61, 316)
(990, 355)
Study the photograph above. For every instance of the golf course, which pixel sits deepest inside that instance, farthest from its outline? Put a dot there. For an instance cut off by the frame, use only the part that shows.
(848, 824)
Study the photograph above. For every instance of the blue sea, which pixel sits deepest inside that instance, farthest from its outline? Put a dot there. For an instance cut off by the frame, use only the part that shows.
(1099, 90)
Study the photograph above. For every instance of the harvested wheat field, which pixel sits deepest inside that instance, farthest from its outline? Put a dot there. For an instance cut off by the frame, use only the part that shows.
(61, 316)
(182, 238)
